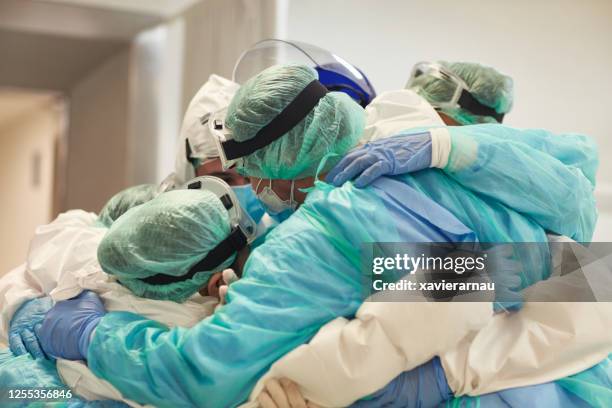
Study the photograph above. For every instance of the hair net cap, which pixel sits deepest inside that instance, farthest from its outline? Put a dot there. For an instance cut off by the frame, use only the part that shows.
(215, 94)
(334, 126)
(167, 235)
(124, 200)
(486, 84)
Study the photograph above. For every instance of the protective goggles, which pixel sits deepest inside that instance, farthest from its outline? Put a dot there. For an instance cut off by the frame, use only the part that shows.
(243, 231)
(457, 90)
(238, 217)
(231, 150)
(221, 134)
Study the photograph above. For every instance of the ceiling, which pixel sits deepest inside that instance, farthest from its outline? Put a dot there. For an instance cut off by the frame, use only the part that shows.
(51, 44)
(99, 19)
(14, 102)
(34, 60)
(162, 8)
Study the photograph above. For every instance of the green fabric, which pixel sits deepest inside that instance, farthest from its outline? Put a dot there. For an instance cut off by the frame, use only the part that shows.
(486, 84)
(593, 385)
(123, 201)
(333, 126)
(166, 235)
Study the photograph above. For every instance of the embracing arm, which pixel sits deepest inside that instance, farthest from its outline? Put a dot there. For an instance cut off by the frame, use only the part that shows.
(547, 177)
(217, 362)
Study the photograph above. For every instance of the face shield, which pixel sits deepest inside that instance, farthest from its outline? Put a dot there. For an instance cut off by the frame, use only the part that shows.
(334, 72)
(239, 219)
(451, 91)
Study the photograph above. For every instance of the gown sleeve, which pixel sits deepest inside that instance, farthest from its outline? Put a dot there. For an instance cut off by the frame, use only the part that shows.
(549, 178)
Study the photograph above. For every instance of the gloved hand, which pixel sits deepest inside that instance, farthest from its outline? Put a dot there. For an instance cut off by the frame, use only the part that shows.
(424, 386)
(67, 328)
(283, 393)
(391, 156)
(505, 270)
(24, 324)
(229, 277)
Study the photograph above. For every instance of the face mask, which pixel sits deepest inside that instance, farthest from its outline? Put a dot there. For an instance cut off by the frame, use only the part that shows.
(249, 202)
(273, 203)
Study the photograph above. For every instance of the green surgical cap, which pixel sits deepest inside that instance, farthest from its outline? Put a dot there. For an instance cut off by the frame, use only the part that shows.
(123, 201)
(333, 127)
(167, 235)
(486, 84)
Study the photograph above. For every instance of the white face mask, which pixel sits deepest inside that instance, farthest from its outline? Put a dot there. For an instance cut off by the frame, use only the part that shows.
(273, 203)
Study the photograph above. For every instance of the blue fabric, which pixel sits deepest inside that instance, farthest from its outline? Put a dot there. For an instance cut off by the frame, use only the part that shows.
(534, 396)
(425, 386)
(589, 388)
(249, 201)
(24, 324)
(23, 372)
(391, 156)
(549, 178)
(306, 273)
(67, 327)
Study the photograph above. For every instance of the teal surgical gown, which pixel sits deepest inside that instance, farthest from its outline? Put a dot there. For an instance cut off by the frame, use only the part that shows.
(306, 273)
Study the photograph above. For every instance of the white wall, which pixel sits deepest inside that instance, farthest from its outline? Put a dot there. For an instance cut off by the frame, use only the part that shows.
(170, 63)
(156, 110)
(559, 53)
(98, 135)
(27, 187)
(217, 32)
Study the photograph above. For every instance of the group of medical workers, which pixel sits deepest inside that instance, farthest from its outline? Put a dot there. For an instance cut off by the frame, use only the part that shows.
(238, 280)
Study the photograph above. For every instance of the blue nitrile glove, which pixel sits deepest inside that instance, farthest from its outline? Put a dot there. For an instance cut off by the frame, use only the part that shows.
(505, 270)
(405, 153)
(67, 328)
(22, 330)
(424, 386)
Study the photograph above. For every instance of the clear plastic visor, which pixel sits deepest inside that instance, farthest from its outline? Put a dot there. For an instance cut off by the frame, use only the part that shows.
(267, 53)
(225, 194)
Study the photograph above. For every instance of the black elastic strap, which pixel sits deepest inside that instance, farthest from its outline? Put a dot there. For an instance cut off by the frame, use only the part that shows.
(471, 104)
(293, 113)
(363, 99)
(226, 248)
(187, 150)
